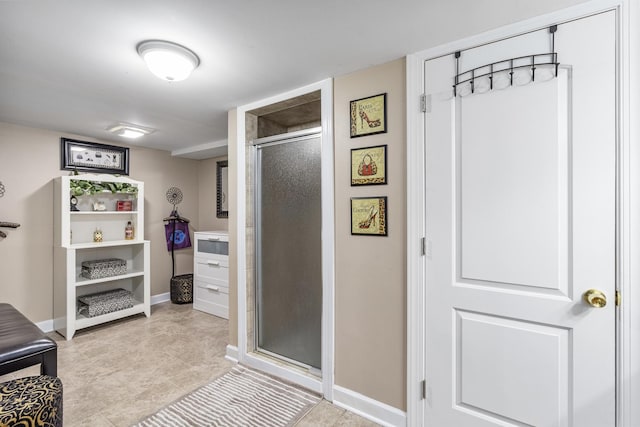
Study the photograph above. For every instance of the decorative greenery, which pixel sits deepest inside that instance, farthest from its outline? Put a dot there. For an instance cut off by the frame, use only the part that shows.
(81, 187)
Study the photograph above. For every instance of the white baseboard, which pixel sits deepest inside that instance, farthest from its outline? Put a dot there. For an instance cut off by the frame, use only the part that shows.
(368, 408)
(46, 325)
(160, 298)
(232, 353)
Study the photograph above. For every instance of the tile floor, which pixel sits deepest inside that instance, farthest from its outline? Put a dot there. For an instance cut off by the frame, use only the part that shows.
(116, 374)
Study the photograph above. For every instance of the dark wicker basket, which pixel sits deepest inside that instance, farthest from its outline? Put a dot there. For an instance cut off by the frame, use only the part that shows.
(182, 289)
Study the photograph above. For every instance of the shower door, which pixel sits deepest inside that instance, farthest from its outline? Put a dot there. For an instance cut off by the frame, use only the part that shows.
(288, 248)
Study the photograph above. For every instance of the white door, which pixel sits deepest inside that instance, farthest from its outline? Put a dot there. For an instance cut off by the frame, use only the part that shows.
(520, 217)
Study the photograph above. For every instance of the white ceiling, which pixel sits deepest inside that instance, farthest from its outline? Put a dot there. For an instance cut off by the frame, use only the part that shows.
(72, 66)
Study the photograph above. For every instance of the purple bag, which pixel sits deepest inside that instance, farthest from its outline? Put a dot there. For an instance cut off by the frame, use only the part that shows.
(178, 233)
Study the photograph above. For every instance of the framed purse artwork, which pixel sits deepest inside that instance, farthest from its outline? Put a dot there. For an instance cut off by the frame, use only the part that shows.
(369, 165)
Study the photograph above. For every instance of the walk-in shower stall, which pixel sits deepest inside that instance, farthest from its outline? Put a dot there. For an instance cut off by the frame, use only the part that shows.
(288, 224)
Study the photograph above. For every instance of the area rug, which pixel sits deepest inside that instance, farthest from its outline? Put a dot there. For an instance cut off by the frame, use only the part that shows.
(241, 397)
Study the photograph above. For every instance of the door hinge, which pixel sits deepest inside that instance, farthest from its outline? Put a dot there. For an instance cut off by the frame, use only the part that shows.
(618, 298)
(426, 247)
(423, 386)
(425, 103)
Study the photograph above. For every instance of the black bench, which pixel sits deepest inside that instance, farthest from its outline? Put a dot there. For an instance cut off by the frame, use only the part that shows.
(23, 344)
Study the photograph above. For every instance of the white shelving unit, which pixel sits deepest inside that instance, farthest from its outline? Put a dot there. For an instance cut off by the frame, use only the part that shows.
(73, 244)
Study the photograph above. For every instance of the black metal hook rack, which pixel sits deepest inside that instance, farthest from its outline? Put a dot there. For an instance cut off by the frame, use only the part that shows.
(511, 64)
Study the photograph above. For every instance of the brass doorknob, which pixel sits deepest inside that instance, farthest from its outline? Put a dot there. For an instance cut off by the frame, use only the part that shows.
(595, 298)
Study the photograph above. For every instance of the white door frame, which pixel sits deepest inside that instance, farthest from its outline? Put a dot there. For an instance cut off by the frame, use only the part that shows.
(245, 353)
(628, 202)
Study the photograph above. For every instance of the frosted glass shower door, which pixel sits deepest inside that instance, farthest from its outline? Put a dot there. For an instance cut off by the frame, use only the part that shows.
(288, 243)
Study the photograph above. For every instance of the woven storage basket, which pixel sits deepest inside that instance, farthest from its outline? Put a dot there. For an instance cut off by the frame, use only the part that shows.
(105, 302)
(100, 268)
(182, 289)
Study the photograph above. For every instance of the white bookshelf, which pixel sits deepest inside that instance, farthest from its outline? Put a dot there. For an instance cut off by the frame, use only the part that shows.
(73, 244)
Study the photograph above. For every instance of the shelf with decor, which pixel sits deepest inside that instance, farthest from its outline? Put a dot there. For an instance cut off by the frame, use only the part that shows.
(81, 281)
(86, 322)
(102, 244)
(99, 277)
(101, 213)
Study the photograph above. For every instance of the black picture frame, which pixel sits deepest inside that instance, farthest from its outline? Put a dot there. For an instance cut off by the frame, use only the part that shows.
(369, 216)
(373, 111)
(222, 189)
(83, 156)
(369, 165)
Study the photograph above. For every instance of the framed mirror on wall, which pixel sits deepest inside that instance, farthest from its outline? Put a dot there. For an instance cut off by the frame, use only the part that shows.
(222, 187)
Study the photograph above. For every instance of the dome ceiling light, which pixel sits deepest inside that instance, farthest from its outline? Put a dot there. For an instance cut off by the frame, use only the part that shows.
(169, 61)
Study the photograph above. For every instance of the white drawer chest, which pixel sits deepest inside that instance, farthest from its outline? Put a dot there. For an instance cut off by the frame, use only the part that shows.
(211, 272)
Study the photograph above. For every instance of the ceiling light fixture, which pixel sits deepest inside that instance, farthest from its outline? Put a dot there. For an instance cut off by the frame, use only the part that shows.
(169, 61)
(130, 131)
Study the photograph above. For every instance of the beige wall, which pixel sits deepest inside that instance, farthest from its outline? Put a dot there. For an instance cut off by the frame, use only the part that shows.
(370, 289)
(30, 159)
(160, 171)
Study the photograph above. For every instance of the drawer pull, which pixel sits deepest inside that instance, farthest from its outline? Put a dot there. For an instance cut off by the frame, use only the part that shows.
(213, 263)
(213, 288)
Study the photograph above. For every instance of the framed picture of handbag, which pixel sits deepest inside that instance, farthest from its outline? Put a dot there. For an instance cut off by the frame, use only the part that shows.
(369, 165)
(369, 216)
(368, 115)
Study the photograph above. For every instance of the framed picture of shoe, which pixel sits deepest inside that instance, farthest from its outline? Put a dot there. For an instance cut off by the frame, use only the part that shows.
(369, 115)
(369, 165)
(369, 216)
